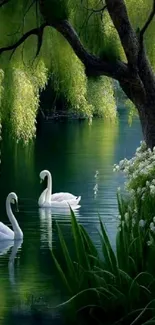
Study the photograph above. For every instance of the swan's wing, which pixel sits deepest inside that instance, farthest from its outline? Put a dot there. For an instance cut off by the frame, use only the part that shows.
(6, 230)
(42, 197)
(5, 246)
(6, 236)
(63, 196)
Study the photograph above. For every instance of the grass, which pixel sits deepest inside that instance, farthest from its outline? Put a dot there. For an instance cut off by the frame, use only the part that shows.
(117, 287)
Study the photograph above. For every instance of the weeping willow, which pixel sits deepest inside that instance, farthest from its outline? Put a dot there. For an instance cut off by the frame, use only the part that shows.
(23, 76)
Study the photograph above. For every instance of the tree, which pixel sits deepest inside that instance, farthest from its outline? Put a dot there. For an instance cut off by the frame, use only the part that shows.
(122, 50)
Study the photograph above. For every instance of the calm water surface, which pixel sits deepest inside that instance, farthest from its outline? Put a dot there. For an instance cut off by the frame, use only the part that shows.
(73, 152)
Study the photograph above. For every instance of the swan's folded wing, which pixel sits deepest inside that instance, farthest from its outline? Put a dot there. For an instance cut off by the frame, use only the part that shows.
(6, 236)
(5, 245)
(42, 197)
(6, 230)
(63, 196)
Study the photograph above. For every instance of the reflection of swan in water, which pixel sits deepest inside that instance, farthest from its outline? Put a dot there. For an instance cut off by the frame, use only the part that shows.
(46, 216)
(4, 247)
(16, 246)
(95, 189)
(46, 227)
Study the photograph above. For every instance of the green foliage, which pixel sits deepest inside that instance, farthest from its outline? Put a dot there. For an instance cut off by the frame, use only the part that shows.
(96, 29)
(56, 10)
(100, 95)
(139, 12)
(117, 286)
(21, 99)
(112, 288)
(132, 111)
(57, 60)
(67, 75)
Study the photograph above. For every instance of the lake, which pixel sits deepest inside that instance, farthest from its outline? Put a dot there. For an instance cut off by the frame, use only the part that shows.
(80, 157)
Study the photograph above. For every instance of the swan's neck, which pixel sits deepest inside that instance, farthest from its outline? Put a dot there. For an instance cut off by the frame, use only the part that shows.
(49, 187)
(17, 231)
(49, 183)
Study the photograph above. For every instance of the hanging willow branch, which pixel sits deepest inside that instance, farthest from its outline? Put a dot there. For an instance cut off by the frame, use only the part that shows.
(35, 31)
(146, 25)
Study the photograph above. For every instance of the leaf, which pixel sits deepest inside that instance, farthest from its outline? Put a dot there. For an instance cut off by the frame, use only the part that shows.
(69, 263)
(61, 273)
(79, 243)
(107, 250)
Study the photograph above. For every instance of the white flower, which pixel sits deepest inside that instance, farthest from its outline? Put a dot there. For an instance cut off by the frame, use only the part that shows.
(133, 222)
(149, 243)
(152, 227)
(152, 189)
(154, 219)
(121, 163)
(116, 168)
(142, 223)
(126, 216)
(139, 190)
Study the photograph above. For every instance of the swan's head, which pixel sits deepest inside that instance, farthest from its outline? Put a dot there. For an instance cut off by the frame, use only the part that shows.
(12, 197)
(43, 174)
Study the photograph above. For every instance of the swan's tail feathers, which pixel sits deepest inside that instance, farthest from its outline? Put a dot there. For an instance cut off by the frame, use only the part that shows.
(78, 199)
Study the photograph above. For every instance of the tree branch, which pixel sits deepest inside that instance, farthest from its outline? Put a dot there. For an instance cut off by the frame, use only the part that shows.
(143, 30)
(94, 65)
(35, 31)
(96, 10)
(118, 13)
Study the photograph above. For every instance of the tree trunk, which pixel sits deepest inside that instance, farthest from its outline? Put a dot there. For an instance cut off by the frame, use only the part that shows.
(144, 100)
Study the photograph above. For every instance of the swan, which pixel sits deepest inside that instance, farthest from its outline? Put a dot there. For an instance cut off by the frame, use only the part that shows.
(5, 232)
(55, 200)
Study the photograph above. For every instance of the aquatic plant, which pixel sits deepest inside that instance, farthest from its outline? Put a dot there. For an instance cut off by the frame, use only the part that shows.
(114, 287)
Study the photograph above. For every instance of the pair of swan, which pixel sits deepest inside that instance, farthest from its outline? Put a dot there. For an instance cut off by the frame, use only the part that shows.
(46, 199)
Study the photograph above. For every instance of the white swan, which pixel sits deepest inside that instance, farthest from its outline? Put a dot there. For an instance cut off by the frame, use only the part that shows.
(55, 200)
(5, 232)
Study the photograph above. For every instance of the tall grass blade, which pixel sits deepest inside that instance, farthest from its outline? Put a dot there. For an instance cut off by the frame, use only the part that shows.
(61, 273)
(70, 266)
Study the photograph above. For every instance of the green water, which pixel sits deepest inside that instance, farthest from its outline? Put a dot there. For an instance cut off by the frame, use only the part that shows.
(73, 152)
